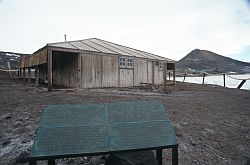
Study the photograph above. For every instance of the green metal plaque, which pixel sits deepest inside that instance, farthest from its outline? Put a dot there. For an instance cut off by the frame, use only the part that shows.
(94, 128)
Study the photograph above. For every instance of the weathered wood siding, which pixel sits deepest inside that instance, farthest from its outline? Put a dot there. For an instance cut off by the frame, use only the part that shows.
(140, 71)
(158, 74)
(64, 70)
(110, 71)
(150, 71)
(91, 70)
(96, 70)
(126, 77)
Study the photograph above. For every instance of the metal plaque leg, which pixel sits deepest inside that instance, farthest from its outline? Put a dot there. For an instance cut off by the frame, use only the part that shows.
(51, 161)
(32, 162)
(175, 155)
(159, 155)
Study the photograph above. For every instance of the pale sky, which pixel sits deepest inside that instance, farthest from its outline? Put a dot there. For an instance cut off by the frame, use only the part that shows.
(169, 28)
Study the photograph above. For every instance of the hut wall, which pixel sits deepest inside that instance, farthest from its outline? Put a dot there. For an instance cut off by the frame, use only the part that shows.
(126, 77)
(110, 71)
(91, 70)
(150, 71)
(65, 69)
(140, 71)
(158, 74)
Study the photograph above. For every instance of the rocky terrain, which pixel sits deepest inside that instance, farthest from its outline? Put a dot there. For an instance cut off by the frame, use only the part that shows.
(211, 123)
(207, 61)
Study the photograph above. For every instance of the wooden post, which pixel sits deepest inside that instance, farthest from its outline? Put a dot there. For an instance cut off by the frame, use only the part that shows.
(36, 77)
(29, 76)
(24, 74)
(20, 73)
(203, 81)
(49, 70)
(241, 84)
(224, 80)
(184, 77)
(159, 155)
(174, 75)
(79, 75)
(164, 87)
(175, 155)
(153, 72)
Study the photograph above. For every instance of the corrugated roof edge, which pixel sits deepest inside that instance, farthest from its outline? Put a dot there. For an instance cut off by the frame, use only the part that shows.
(135, 49)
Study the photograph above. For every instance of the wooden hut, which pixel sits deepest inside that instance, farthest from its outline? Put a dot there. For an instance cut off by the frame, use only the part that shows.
(95, 63)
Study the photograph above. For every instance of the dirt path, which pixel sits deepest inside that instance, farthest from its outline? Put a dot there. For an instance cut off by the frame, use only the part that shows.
(212, 123)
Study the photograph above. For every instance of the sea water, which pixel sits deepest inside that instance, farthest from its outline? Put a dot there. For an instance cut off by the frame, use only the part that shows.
(218, 80)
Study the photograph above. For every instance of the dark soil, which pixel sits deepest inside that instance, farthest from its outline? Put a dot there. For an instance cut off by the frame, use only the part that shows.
(211, 123)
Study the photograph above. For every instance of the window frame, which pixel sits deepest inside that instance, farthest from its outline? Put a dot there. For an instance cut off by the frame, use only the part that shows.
(130, 62)
(123, 62)
(126, 62)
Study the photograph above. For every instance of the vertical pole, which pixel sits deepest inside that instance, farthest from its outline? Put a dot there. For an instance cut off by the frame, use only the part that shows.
(175, 155)
(49, 70)
(24, 74)
(29, 76)
(153, 72)
(36, 77)
(203, 81)
(174, 74)
(224, 80)
(164, 77)
(184, 77)
(169, 75)
(159, 155)
(20, 73)
(80, 68)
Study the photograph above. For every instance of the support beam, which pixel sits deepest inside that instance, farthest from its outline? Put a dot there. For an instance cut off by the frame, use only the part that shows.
(174, 74)
(49, 70)
(164, 87)
(153, 72)
(79, 72)
(24, 74)
(20, 73)
(36, 77)
(29, 76)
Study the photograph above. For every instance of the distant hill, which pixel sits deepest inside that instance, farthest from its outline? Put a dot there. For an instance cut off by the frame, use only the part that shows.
(207, 61)
(13, 58)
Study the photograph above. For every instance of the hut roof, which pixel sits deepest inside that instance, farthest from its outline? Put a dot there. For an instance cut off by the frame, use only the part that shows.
(98, 45)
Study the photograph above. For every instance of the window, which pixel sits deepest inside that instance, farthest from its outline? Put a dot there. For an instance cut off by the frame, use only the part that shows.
(130, 63)
(126, 62)
(122, 62)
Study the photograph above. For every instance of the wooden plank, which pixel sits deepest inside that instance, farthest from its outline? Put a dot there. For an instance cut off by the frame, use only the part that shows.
(36, 77)
(164, 77)
(29, 76)
(153, 72)
(49, 70)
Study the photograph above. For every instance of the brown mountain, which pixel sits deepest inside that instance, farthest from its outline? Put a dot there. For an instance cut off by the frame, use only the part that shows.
(207, 61)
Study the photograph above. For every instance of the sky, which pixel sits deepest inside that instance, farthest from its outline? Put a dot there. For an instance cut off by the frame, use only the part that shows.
(169, 28)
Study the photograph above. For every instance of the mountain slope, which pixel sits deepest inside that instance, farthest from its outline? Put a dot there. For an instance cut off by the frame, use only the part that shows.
(207, 61)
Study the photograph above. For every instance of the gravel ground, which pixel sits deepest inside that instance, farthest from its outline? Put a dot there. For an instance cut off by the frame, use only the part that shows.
(211, 123)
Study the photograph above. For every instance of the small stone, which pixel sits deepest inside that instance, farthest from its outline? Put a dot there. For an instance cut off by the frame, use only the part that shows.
(8, 117)
(5, 143)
